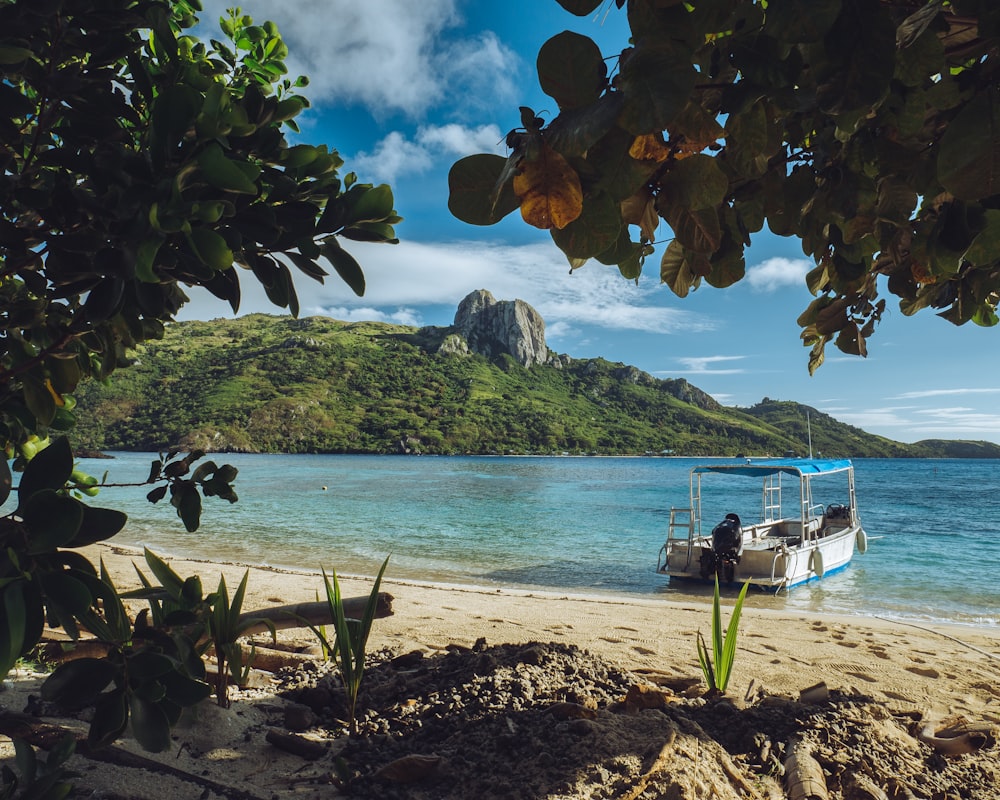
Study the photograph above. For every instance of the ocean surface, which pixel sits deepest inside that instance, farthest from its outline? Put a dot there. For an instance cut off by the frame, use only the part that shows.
(575, 526)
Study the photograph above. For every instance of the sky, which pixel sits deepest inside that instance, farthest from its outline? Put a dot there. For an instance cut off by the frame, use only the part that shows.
(404, 88)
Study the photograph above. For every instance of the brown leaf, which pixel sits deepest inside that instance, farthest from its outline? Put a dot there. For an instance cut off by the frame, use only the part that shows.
(640, 209)
(649, 147)
(550, 191)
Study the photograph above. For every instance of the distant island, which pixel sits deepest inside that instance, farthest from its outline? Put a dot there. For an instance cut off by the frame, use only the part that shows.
(488, 384)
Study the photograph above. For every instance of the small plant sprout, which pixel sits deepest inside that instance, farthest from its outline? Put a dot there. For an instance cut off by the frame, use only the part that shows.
(352, 638)
(723, 649)
(225, 629)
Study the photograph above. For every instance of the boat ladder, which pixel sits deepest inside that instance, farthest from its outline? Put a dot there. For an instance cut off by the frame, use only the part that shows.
(681, 519)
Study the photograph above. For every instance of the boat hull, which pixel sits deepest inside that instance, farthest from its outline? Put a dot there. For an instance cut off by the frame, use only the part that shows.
(772, 565)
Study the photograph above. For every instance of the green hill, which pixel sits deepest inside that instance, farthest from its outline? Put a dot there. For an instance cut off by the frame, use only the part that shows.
(275, 384)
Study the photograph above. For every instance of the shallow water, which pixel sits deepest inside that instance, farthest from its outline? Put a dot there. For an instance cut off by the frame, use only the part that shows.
(575, 525)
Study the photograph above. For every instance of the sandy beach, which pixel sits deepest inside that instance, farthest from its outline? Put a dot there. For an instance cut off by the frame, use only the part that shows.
(928, 671)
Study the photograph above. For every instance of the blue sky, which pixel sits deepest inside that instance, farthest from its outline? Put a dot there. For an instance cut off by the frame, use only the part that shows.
(403, 88)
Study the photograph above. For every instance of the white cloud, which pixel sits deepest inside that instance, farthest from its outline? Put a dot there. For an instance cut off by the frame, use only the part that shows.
(414, 275)
(395, 155)
(943, 393)
(774, 273)
(704, 365)
(387, 55)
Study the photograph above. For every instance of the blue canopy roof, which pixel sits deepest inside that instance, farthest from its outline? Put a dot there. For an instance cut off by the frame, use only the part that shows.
(769, 466)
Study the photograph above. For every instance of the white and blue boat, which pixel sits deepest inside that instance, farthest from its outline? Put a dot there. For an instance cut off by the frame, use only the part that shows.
(813, 534)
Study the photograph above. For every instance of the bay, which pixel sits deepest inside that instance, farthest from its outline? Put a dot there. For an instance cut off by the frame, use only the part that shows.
(572, 526)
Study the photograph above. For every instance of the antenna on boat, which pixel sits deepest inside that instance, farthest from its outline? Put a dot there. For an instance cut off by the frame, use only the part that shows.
(809, 430)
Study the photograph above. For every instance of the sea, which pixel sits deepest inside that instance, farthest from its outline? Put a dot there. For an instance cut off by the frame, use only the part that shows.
(574, 526)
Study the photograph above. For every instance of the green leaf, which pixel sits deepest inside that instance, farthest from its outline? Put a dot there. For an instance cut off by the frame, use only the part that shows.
(150, 724)
(985, 248)
(39, 400)
(571, 70)
(12, 54)
(162, 571)
(49, 469)
(476, 194)
(696, 182)
(66, 591)
(728, 654)
(594, 231)
(656, 81)
(855, 62)
(147, 664)
(621, 176)
(185, 498)
(343, 262)
(78, 682)
(183, 690)
(223, 173)
(580, 7)
(373, 205)
(211, 248)
(968, 162)
(110, 719)
(796, 21)
(13, 614)
(98, 524)
(53, 520)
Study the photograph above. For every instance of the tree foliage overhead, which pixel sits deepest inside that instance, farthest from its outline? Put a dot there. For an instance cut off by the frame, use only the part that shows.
(135, 160)
(868, 129)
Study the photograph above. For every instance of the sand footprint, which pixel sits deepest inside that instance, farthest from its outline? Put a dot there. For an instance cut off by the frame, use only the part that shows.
(927, 672)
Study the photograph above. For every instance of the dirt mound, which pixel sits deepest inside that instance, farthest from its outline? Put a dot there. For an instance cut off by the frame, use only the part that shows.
(548, 720)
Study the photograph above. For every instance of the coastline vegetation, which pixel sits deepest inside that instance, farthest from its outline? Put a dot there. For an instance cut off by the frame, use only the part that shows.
(264, 383)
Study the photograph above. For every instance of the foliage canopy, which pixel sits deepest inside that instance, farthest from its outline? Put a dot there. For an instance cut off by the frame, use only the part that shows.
(136, 160)
(868, 129)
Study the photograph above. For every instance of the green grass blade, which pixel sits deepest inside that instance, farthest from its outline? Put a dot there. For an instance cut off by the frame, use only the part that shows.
(706, 662)
(725, 665)
(716, 626)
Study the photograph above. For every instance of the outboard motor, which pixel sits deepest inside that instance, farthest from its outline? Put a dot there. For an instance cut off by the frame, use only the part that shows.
(727, 547)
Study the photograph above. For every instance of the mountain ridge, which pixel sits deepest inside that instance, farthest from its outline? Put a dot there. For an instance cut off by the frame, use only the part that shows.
(264, 383)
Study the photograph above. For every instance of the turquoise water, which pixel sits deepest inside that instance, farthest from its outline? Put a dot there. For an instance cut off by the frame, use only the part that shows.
(575, 526)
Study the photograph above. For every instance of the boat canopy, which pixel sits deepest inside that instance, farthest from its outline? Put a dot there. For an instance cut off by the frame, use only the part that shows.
(792, 466)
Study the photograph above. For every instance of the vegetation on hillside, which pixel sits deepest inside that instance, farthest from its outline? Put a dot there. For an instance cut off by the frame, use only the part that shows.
(274, 384)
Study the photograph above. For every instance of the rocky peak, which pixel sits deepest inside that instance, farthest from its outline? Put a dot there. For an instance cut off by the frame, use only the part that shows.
(496, 327)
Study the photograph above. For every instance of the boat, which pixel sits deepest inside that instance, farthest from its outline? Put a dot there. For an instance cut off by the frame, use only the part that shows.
(791, 544)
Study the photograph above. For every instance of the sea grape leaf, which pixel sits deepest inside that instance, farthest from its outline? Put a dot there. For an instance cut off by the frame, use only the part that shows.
(571, 70)
(478, 192)
(594, 231)
(549, 189)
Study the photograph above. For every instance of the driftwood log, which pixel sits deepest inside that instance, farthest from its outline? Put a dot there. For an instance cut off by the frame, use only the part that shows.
(297, 615)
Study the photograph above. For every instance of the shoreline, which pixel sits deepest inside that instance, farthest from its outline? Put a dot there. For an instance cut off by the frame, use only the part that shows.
(697, 593)
(937, 668)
